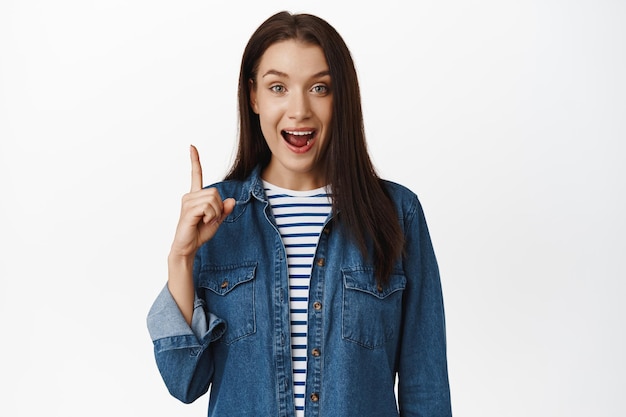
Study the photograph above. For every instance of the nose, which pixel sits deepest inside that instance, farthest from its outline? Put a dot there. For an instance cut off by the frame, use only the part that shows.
(299, 106)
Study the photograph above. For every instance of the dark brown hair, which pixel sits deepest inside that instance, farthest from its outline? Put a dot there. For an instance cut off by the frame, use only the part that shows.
(360, 200)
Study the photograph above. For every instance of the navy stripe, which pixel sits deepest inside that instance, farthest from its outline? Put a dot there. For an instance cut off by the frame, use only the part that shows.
(298, 310)
(290, 196)
(300, 224)
(278, 216)
(300, 235)
(288, 205)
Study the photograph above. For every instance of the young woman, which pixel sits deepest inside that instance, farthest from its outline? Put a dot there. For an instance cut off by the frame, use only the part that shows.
(302, 284)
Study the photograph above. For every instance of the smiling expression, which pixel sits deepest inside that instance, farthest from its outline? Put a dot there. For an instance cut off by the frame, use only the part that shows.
(293, 97)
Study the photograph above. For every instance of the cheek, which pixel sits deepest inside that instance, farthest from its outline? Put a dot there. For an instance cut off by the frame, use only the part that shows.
(269, 112)
(269, 127)
(268, 120)
(325, 112)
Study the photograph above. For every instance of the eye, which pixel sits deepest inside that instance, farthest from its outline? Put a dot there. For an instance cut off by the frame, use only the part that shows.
(277, 88)
(320, 89)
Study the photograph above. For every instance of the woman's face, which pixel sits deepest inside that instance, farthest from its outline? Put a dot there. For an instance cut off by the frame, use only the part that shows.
(292, 95)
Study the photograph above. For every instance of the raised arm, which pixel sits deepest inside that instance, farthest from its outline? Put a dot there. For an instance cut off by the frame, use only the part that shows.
(201, 214)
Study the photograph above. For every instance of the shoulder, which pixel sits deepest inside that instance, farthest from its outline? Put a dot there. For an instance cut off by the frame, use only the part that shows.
(403, 197)
(229, 188)
(241, 190)
(406, 201)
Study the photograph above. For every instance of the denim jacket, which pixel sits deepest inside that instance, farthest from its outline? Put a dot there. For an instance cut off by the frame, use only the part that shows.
(360, 336)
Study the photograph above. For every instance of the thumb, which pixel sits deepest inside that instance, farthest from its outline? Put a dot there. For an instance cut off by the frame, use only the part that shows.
(229, 205)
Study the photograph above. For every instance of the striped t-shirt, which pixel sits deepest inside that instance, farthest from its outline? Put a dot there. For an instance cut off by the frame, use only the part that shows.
(300, 217)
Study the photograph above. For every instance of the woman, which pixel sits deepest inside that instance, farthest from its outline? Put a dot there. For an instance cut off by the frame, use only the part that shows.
(302, 284)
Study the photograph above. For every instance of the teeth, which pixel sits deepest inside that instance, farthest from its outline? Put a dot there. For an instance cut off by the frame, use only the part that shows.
(299, 133)
(308, 141)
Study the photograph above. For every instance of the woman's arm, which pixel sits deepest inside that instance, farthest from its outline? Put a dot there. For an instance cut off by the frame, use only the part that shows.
(183, 351)
(201, 214)
(180, 326)
(423, 388)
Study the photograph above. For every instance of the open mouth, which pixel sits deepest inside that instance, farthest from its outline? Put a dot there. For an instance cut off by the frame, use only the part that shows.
(299, 138)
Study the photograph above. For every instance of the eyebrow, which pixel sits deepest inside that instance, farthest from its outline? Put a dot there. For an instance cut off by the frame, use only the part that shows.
(284, 75)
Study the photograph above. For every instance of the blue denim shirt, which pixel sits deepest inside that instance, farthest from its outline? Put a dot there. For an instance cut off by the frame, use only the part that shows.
(238, 342)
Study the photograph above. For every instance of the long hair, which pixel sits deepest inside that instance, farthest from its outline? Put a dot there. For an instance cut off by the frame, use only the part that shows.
(360, 200)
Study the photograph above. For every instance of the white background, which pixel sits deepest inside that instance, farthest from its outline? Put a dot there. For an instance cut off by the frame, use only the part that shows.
(507, 118)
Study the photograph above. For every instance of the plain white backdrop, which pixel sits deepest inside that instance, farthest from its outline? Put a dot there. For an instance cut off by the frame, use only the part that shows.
(507, 118)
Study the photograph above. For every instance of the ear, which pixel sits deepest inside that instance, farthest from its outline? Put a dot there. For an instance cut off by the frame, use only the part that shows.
(252, 90)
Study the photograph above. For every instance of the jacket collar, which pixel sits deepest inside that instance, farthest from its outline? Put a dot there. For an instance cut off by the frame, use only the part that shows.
(253, 186)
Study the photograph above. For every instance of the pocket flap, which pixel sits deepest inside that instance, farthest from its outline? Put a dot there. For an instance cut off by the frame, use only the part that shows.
(223, 278)
(364, 280)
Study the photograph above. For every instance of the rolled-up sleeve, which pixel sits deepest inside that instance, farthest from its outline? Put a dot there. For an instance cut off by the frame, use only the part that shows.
(183, 352)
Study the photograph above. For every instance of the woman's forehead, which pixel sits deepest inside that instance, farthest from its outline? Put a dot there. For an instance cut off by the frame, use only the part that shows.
(290, 58)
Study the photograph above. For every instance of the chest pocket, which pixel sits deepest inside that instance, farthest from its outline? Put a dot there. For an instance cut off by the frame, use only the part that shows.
(371, 315)
(229, 293)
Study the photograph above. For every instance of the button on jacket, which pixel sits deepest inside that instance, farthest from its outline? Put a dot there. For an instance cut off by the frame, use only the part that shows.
(360, 335)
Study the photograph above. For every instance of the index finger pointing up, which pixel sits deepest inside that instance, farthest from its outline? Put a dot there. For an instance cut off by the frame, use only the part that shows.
(196, 169)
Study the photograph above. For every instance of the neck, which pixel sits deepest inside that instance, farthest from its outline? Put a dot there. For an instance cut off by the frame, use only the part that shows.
(295, 182)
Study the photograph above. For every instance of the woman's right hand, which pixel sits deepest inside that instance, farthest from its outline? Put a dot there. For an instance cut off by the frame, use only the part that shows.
(201, 214)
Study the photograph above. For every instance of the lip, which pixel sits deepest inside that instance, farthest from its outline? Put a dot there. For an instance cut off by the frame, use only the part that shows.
(300, 131)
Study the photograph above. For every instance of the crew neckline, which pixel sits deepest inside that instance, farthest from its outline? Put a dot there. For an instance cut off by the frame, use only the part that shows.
(297, 193)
